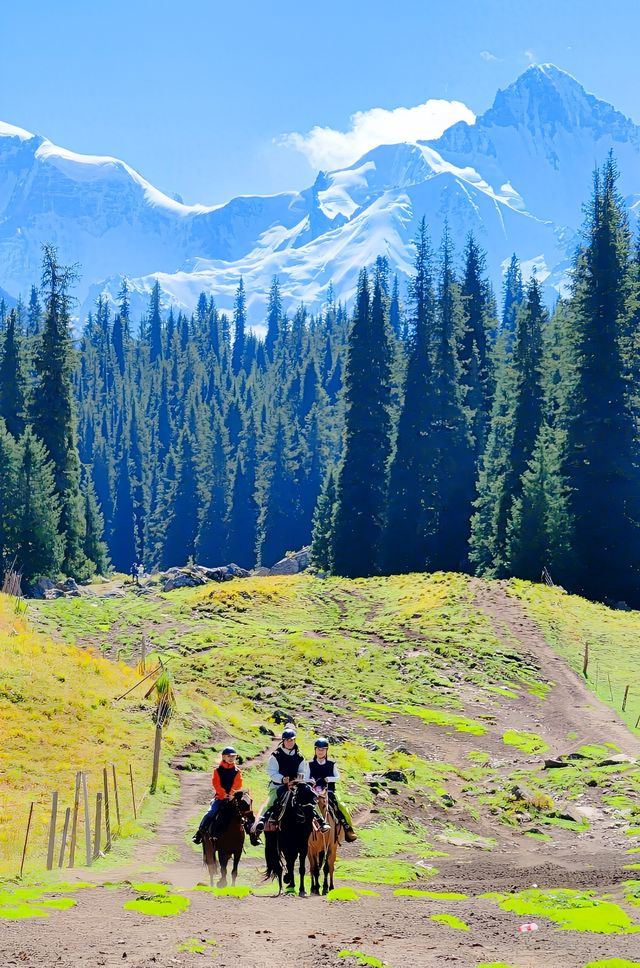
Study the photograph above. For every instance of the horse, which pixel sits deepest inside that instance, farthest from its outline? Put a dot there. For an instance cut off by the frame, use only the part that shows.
(289, 841)
(323, 847)
(234, 819)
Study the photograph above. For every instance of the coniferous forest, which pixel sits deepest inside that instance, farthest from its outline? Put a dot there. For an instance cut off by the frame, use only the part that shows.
(441, 428)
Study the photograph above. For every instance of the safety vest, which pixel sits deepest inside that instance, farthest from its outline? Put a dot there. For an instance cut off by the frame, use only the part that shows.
(226, 775)
(288, 763)
(320, 771)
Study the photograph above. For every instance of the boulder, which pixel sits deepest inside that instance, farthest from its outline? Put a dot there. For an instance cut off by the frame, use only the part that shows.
(42, 588)
(181, 580)
(554, 764)
(396, 776)
(68, 587)
(293, 563)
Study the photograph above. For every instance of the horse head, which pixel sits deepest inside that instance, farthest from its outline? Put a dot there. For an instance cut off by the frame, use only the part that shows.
(244, 806)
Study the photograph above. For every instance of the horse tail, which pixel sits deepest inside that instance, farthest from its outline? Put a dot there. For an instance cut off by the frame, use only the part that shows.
(272, 856)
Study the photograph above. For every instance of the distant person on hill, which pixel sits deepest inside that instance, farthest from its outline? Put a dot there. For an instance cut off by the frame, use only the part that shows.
(134, 573)
(286, 767)
(226, 780)
(324, 771)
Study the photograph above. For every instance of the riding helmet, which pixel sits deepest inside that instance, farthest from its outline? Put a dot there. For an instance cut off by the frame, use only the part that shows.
(229, 751)
(321, 743)
(288, 733)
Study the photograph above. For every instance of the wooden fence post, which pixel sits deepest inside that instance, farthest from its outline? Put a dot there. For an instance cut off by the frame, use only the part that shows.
(65, 830)
(26, 839)
(74, 822)
(98, 827)
(52, 830)
(107, 817)
(133, 793)
(156, 758)
(87, 820)
(585, 661)
(115, 791)
(624, 698)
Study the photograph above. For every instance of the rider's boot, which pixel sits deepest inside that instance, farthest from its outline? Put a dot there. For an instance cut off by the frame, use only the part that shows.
(197, 837)
(324, 826)
(258, 826)
(349, 834)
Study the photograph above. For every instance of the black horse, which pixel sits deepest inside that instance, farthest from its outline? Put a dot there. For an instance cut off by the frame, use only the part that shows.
(226, 839)
(289, 842)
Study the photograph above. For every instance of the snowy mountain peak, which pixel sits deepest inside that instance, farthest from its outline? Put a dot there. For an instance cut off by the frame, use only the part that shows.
(548, 99)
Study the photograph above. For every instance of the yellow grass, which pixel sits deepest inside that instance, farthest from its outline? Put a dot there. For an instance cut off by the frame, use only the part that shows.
(57, 716)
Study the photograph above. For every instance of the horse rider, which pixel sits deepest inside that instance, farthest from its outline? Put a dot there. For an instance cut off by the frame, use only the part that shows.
(286, 767)
(324, 770)
(226, 780)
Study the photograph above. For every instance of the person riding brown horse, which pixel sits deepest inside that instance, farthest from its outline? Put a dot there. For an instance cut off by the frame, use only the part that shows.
(235, 820)
(322, 769)
(226, 781)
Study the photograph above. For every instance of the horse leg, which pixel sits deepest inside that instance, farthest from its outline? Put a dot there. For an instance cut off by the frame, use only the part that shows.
(224, 860)
(289, 877)
(303, 860)
(234, 869)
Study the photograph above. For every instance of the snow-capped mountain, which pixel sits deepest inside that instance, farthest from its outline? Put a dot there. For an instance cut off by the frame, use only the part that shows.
(517, 177)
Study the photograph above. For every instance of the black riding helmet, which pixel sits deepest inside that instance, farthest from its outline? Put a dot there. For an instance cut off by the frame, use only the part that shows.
(229, 751)
(289, 733)
(322, 743)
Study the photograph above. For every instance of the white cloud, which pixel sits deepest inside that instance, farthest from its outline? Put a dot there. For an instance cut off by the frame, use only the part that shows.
(326, 148)
(488, 56)
(530, 56)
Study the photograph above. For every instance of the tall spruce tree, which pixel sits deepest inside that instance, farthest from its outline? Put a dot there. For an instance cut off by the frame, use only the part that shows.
(9, 463)
(182, 528)
(12, 379)
(243, 516)
(154, 324)
(322, 532)
(95, 548)
(361, 491)
(53, 412)
(274, 319)
(476, 341)
(512, 296)
(39, 545)
(411, 496)
(239, 328)
(450, 440)
(601, 461)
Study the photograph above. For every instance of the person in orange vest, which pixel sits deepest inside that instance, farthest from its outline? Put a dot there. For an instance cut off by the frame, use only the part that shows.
(226, 781)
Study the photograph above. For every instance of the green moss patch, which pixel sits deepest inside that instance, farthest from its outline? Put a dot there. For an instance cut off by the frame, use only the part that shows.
(27, 902)
(362, 959)
(571, 910)
(377, 871)
(494, 964)
(196, 946)
(527, 742)
(613, 963)
(433, 895)
(158, 905)
(451, 921)
(240, 890)
(632, 891)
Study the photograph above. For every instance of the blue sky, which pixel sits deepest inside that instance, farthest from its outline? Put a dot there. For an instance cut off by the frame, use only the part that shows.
(199, 96)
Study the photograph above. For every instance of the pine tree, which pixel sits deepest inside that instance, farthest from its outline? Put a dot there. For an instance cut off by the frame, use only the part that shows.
(449, 432)
(602, 459)
(406, 545)
(274, 319)
(39, 547)
(154, 324)
(182, 528)
(12, 380)
(362, 483)
(211, 543)
(243, 517)
(239, 328)
(278, 525)
(322, 534)
(95, 548)
(515, 424)
(9, 462)
(53, 414)
(512, 297)
(476, 342)
(123, 539)
(34, 313)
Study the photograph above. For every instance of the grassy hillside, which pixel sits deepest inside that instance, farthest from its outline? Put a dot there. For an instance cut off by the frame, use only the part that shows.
(405, 674)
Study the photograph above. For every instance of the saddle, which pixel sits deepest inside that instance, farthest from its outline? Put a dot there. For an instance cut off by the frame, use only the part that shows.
(277, 813)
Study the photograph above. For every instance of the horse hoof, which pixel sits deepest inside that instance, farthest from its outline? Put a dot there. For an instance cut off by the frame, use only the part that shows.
(302, 893)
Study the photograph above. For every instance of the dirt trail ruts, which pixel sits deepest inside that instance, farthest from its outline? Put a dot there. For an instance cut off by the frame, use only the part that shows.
(570, 698)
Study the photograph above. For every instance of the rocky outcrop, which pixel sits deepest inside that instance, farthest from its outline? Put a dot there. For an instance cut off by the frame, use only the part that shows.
(292, 564)
(193, 575)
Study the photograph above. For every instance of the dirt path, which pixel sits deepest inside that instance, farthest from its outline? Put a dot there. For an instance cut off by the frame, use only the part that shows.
(269, 932)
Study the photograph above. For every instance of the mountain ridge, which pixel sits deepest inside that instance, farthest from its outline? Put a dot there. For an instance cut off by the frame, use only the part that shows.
(517, 177)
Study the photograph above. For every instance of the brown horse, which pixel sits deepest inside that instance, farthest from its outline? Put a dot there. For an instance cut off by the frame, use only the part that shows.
(323, 848)
(234, 818)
